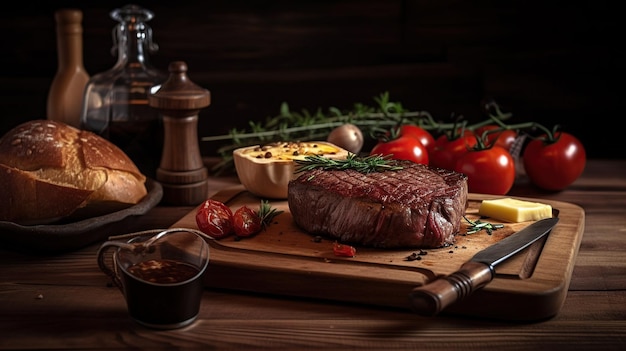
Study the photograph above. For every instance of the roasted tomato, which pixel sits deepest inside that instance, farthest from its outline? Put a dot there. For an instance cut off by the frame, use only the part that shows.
(553, 163)
(215, 219)
(246, 222)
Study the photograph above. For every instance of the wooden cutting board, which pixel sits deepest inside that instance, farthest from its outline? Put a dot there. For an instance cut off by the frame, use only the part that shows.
(284, 260)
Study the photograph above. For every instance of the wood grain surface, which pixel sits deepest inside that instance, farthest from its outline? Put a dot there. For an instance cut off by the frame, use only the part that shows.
(530, 285)
(64, 302)
(549, 63)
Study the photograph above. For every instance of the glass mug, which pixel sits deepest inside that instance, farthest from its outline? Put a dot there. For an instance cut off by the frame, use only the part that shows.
(160, 276)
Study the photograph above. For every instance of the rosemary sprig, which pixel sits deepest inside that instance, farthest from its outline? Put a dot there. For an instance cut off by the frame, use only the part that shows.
(478, 225)
(366, 164)
(267, 213)
(306, 125)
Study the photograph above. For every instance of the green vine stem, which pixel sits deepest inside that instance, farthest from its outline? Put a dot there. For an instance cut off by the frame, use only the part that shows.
(385, 115)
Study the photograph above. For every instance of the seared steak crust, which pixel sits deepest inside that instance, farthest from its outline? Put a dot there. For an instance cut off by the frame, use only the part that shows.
(416, 207)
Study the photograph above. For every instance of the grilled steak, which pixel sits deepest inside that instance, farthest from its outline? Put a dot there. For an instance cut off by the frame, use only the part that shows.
(415, 207)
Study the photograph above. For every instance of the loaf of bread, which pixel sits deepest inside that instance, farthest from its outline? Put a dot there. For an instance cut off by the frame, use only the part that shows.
(50, 171)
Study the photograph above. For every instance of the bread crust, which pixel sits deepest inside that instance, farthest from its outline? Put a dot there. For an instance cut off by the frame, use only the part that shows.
(48, 170)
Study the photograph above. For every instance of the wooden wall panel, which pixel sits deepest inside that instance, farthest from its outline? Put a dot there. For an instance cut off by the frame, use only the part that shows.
(552, 62)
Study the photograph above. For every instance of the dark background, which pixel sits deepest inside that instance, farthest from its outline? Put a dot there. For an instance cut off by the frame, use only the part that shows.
(553, 62)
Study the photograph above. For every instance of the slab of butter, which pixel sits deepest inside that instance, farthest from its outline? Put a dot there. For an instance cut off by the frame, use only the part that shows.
(513, 210)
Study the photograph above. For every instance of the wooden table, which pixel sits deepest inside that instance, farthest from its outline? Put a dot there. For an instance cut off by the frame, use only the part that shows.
(66, 302)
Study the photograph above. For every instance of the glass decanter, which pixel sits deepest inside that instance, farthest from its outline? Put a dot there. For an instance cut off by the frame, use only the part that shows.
(115, 103)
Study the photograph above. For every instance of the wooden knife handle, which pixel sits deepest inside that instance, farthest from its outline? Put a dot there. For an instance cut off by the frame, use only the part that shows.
(432, 298)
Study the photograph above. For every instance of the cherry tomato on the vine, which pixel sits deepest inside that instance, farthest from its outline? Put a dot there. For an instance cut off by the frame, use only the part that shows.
(488, 171)
(446, 152)
(418, 133)
(215, 219)
(402, 148)
(246, 222)
(505, 137)
(554, 163)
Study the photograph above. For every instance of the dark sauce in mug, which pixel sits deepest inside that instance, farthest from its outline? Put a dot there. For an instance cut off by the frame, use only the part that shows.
(163, 271)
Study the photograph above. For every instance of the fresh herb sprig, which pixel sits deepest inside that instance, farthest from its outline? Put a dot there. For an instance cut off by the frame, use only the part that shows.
(365, 164)
(308, 126)
(384, 115)
(478, 225)
(305, 125)
(267, 213)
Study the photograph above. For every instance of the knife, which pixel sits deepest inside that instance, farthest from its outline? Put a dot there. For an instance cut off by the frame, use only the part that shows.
(433, 297)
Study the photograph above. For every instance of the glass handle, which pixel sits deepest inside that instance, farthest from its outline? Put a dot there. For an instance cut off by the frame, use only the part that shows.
(111, 270)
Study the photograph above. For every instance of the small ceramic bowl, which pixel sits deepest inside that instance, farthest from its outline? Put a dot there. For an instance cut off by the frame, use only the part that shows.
(266, 170)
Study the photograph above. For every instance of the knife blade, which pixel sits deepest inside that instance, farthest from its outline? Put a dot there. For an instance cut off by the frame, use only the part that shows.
(435, 296)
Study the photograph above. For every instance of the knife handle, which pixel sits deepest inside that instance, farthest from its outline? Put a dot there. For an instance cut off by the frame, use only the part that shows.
(432, 298)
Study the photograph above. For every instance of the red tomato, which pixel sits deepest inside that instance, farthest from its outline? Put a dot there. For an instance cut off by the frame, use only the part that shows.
(446, 152)
(505, 138)
(402, 148)
(343, 250)
(246, 222)
(488, 171)
(554, 165)
(215, 219)
(418, 133)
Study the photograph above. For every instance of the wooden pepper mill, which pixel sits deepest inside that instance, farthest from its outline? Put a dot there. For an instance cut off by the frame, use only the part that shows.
(181, 172)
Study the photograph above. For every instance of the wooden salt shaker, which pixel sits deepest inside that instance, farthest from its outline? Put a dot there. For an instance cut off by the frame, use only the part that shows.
(181, 172)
